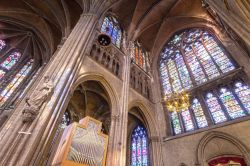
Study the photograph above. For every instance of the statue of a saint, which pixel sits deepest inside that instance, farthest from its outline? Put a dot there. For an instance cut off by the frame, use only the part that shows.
(35, 102)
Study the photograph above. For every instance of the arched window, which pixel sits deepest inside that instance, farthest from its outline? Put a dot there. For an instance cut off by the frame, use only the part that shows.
(191, 61)
(187, 119)
(139, 55)
(243, 93)
(232, 105)
(192, 58)
(199, 114)
(111, 27)
(215, 108)
(139, 147)
(13, 71)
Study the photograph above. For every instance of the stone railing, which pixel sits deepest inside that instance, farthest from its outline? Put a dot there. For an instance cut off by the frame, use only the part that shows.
(140, 80)
(110, 57)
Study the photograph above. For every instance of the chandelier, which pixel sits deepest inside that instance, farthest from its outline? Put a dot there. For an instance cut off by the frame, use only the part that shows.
(104, 39)
(177, 101)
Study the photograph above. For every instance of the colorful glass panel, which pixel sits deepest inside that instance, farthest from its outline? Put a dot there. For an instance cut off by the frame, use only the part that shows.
(174, 78)
(243, 93)
(176, 123)
(165, 80)
(139, 147)
(111, 27)
(215, 109)
(232, 106)
(195, 66)
(2, 73)
(206, 60)
(11, 87)
(183, 72)
(218, 54)
(199, 114)
(11, 60)
(187, 119)
(2, 44)
(191, 58)
(139, 55)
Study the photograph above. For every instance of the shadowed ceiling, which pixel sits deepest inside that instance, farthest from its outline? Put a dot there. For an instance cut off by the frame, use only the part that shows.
(152, 22)
(47, 21)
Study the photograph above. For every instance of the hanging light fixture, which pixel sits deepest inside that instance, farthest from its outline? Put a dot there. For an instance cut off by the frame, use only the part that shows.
(104, 39)
(177, 102)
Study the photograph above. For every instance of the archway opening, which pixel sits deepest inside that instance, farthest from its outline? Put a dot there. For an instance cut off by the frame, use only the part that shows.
(89, 99)
(138, 139)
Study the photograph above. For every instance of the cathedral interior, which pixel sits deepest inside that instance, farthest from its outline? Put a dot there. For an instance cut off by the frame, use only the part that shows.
(168, 79)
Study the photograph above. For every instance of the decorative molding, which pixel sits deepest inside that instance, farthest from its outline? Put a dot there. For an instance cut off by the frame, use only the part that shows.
(200, 158)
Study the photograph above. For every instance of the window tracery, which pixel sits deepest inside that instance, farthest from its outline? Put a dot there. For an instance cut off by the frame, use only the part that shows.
(15, 82)
(13, 71)
(139, 55)
(188, 61)
(139, 147)
(111, 27)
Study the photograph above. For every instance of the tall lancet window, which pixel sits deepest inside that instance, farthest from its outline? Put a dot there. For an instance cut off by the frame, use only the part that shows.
(139, 147)
(195, 61)
(139, 55)
(111, 27)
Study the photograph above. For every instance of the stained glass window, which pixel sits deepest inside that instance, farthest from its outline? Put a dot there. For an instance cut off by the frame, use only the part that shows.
(217, 53)
(190, 59)
(243, 93)
(193, 56)
(2, 73)
(187, 119)
(232, 106)
(16, 81)
(199, 114)
(2, 44)
(139, 147)
(139, 55)
(11, 60)
(164, 75)
(176, 123)
(111, 27)
(215, 109)
(65, 120)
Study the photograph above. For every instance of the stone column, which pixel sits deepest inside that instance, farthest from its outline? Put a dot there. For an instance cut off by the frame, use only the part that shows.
(25, 143)
(120, 140)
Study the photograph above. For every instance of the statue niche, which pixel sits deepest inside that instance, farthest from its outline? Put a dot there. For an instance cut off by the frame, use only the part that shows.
(82, 144)
(37, 99)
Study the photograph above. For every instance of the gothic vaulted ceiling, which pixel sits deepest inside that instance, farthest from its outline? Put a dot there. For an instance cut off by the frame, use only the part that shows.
(154, 21)
(47, 21)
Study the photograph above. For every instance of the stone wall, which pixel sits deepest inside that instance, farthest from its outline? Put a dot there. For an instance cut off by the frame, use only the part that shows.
(199, 147)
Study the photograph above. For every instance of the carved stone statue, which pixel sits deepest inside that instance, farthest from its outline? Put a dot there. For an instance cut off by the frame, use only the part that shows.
(35, 102)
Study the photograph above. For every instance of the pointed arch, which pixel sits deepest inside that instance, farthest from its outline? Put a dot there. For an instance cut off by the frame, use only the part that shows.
(113, 96)
(147, 117)
(200, 156)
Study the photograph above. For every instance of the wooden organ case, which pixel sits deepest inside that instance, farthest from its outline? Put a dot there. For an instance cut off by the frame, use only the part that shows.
(82, 144)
